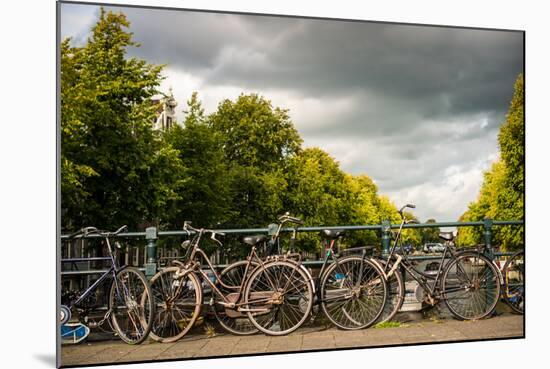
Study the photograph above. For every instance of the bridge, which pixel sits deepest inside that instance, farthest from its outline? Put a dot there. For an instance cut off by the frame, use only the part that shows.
(152, 235)
(206, 340)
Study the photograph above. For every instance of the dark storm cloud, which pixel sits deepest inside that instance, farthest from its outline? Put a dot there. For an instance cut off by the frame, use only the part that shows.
(420, 72)
(416, 108)
(443, 71)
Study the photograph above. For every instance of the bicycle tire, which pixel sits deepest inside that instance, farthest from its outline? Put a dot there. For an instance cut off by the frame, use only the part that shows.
(238, 325)
(178, 304)
(352, 300)
(139, 304)
(396, 295)
(514, 295)
(268, 291)
(477, 306)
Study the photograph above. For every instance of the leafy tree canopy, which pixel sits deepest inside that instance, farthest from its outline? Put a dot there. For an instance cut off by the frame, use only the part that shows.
(502, 192)
(253, 133)
(115, 169)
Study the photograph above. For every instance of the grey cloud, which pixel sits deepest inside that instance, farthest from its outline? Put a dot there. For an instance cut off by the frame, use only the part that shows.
(442, 71)
(400, 103)
(412, 73)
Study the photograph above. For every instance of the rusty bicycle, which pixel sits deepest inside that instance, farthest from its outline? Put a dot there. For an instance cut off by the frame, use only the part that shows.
(275, 289)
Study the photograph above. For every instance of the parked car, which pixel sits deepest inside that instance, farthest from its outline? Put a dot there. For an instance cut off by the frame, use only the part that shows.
(433, 247)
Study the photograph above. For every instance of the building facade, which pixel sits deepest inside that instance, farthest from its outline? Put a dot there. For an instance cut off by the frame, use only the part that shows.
(166, 113)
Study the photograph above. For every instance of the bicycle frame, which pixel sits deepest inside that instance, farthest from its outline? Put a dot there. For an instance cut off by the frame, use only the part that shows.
(192, 265)
(419, 276)
(113, 270)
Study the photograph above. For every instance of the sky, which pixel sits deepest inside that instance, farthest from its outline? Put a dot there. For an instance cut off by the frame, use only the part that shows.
(416, 108)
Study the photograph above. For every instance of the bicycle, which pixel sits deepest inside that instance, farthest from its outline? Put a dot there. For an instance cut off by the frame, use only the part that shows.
(130, 303)
(351, 290)
(512, 275)
(273, 285)
(467, 281)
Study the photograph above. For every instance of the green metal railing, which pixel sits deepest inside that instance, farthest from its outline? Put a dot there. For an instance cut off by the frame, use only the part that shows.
(151, 236)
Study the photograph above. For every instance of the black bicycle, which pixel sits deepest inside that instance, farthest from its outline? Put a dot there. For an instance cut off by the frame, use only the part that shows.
(466, 280)
(513, 274)
(130, 301)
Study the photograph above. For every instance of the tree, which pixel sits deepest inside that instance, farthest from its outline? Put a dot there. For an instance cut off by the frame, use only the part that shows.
(316, 189)
(316, 192)
(363, 206)
(115, 169)
(253, 133)
(502, 192)
(204, 198)
(257, 140)
(320, 193)
(430, 234)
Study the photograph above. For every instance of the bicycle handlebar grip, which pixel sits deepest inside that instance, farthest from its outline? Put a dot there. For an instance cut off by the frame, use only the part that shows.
(287, 218)
(124, 228)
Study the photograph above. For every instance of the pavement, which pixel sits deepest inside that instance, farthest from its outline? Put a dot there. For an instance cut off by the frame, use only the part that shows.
(198, 344)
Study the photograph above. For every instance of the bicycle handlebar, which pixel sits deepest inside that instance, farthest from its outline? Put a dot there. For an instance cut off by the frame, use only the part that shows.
(87, 230)
(83, 231)
(187, 227)
(124, 228)
(287, 218)
(411, 206)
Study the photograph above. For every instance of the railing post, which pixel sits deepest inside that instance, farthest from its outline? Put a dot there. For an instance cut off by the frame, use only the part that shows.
(488, 235)
(271, 231)
(386, 236)
(151, 265)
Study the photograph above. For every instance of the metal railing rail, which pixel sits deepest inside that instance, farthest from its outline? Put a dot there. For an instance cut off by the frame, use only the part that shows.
(151, 236)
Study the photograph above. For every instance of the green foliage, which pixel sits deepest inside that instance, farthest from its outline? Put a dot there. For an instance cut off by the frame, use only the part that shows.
(430, 234)
(256, 140)
(502, 193)
(204, 198)
(115, 170)
(241, 166)
(316, 192)
(253, 133)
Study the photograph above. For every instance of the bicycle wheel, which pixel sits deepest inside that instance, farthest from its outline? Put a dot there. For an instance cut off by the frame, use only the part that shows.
(278, 297)
(231, 320)
(470, 286)
(131, 305)
(514, 283)
(396, 295)
(178, 303)
(353, 293)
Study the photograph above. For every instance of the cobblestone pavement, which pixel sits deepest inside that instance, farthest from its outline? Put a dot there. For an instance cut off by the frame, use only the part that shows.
(306, 338)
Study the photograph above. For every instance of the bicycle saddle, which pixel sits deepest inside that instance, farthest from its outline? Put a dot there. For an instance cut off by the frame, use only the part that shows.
(447, 236)
(254, 240)
(332, 233)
